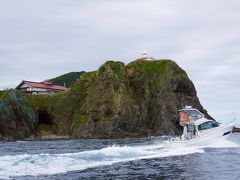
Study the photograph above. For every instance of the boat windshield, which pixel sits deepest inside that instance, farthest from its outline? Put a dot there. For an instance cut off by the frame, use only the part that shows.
(193, 114)
(207, 125)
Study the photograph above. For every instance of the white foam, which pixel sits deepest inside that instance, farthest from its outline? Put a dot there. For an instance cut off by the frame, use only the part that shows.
(39, 164)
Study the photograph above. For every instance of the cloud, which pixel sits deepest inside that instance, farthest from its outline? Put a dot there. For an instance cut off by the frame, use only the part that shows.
(44, 39)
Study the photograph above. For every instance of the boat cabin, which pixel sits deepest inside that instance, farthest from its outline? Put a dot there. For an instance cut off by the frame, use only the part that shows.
(194, 123)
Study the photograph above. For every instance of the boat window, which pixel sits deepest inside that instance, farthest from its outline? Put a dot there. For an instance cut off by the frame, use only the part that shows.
(194, 114)
(207, 125)
(183, 118)
(191, 129)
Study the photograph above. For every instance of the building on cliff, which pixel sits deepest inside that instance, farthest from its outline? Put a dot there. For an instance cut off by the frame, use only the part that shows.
(144, 56)
(45, 87)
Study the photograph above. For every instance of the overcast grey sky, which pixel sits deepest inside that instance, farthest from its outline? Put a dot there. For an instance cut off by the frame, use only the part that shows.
(42, 39)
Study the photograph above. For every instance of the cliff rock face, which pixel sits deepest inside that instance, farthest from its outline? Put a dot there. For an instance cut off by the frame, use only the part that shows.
(139, 99)
(118, 100)
(17, 119)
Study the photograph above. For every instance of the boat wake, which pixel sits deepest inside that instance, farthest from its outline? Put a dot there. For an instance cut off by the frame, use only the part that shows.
(40, 164)
(224, 143)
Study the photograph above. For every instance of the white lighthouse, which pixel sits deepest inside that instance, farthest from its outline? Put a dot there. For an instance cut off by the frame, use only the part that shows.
(145, 57)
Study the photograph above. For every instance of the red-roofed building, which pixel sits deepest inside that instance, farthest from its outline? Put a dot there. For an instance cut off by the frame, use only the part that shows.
(45, 87)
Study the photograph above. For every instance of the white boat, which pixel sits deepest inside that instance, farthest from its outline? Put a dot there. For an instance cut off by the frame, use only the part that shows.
(197, 130)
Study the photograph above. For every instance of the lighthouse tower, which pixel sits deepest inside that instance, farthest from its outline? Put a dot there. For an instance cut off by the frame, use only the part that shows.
(145, 57)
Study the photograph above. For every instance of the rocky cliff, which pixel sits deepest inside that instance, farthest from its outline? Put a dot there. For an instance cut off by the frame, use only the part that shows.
(17, 119)
(138, 99)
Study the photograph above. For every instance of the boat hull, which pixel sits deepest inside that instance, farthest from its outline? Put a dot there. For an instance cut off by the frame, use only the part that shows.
(222, 132)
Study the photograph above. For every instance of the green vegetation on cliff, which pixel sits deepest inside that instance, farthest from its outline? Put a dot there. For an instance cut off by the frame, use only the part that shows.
(17, 119)
(2, 93)
(78, 120)
(155, 66)
(68, 78)
(44, 101)
(118, 100)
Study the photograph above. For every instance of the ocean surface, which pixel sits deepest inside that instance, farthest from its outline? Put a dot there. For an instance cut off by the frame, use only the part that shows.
(118, 159)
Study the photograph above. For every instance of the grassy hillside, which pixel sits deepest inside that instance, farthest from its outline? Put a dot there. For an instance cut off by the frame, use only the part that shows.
(68, 78)
(149, 66)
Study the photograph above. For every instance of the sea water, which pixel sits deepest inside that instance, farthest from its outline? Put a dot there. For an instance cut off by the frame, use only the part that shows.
(144, 158)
